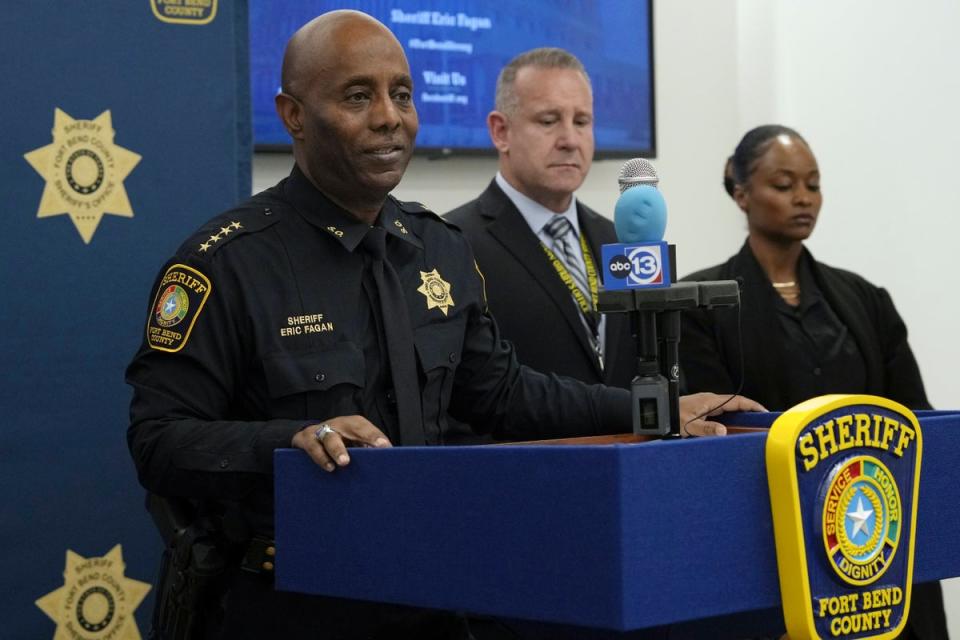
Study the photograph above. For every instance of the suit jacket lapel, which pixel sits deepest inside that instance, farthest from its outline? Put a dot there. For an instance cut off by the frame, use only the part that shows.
(859, 324)
(513, 232)
(761, 336)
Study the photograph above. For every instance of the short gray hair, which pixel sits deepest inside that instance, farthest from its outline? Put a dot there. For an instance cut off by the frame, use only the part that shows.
(543, 58)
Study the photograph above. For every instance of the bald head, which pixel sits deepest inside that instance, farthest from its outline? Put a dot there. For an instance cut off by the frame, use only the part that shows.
(315, 45)
(347, 103)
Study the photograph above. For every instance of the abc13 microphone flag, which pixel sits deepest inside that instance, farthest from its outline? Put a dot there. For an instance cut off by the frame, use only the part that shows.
(126, 125)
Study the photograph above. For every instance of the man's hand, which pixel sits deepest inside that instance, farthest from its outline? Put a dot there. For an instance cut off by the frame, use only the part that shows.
(327, 442)
(695, 408)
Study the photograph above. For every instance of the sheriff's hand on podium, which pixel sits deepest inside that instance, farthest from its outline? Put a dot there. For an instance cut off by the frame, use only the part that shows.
(697, 407)
(327, 442)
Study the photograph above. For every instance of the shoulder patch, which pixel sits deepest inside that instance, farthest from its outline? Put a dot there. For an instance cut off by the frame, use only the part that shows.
(222, 229)
(180, 297)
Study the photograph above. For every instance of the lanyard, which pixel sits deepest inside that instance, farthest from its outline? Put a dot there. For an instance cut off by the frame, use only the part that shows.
(588, 309)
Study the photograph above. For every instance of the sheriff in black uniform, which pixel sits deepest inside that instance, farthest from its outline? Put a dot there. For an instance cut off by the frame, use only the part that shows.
(271, 328)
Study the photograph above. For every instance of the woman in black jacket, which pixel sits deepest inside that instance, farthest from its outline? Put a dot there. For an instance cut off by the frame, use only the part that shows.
(807, 328)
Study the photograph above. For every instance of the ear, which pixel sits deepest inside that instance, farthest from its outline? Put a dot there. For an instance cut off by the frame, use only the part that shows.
(498, 126)
(740, 196)
(290, 114)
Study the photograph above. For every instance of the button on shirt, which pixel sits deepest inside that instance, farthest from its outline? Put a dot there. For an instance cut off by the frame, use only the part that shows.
(537, 217)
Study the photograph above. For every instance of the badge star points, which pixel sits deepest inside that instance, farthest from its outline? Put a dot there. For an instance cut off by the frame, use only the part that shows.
(436, 290)
(236, 225)
(204, 246)
(96, 599)
(860, 518)
(84, 172)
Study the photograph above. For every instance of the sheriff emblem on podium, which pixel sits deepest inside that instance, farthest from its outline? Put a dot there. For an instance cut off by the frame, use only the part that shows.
(844, 473)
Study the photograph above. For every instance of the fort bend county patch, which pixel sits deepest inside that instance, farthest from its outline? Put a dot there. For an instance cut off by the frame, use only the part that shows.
(180, 297)
(844, 473)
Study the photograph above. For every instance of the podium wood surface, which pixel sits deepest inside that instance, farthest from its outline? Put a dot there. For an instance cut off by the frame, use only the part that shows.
(610, 534)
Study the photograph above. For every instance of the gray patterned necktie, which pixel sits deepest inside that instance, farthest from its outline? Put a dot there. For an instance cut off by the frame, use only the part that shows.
(567, 249)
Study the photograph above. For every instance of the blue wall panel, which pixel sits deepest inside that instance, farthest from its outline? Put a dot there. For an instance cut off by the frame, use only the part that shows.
(176, 94)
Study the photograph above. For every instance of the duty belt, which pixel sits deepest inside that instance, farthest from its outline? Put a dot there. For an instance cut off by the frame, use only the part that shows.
(260, 556)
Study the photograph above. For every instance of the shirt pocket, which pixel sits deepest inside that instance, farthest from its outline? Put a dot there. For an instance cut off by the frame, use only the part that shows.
(439, 349)
(316, 384)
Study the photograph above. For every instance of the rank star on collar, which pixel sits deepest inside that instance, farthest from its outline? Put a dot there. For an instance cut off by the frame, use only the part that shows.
(436, 290)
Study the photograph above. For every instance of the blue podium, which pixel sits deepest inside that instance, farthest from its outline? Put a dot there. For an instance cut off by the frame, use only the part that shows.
(616, 536)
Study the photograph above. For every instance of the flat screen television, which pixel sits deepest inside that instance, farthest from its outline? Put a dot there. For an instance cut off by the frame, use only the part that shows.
(456, 48)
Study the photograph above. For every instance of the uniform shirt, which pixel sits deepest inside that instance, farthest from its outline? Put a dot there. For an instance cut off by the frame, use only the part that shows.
(260, 326)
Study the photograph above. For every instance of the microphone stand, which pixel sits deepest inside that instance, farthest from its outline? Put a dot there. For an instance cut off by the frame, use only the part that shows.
(655, 326)
(650, 390)
(668, 327)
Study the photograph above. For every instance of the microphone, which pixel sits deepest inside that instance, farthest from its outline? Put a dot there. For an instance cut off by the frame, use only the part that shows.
(637, 273)
(636, 278)
(640, 259)
(640, 214)
(635, 172)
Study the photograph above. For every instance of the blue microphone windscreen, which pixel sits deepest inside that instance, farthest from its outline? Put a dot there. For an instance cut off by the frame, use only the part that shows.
(640, 215)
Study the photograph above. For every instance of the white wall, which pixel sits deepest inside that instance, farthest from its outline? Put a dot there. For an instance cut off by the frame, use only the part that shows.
(874, 87)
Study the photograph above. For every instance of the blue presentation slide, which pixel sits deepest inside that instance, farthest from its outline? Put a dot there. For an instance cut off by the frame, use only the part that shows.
(457, 48)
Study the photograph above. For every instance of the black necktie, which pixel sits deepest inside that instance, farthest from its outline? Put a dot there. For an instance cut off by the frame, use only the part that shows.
(399, 337)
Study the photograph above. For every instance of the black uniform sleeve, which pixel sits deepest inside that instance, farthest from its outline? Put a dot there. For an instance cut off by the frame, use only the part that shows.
(495, 394)
(187, 433)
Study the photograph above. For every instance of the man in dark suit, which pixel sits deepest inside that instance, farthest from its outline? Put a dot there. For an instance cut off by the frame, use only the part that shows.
(540, 271)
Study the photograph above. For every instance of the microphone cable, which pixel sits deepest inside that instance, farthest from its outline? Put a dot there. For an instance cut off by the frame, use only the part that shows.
(683, 427)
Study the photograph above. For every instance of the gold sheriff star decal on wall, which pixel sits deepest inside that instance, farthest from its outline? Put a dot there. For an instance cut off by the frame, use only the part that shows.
(436, 290)
(96, 600)
(84, 171)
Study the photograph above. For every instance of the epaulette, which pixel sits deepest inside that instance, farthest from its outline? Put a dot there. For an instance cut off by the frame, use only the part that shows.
(253, 216)
(419, 208)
